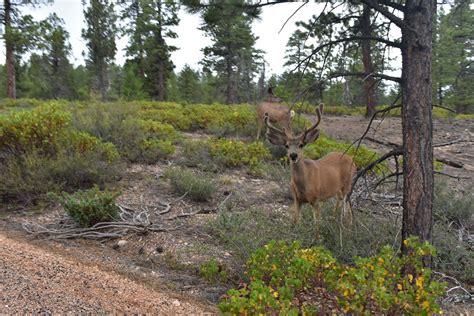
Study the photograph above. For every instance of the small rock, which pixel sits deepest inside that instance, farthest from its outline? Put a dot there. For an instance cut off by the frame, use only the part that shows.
(176, 303)
(121, 243)
(227, 254)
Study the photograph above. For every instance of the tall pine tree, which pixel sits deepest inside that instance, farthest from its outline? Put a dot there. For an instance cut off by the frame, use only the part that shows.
(100, 33)
(149, 26)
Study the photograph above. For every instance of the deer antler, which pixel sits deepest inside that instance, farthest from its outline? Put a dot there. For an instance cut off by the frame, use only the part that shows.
(275, 135)
(319, 112)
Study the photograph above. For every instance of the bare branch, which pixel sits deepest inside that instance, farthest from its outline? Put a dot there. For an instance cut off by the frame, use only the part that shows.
(374, 4)
(283, 26)
(363, 74)
(397, 6)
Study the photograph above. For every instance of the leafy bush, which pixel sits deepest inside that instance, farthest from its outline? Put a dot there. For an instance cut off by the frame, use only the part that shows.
(89, 207)
(279, 272)
(213, 272)
(215, 154)
(361, 156)
(198, 187)
(41, 152)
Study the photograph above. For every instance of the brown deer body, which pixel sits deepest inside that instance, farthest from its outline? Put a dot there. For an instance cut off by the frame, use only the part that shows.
(315, 181)
(277, 112)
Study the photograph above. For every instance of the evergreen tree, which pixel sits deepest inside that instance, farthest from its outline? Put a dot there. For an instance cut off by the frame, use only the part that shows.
(453, 54)
(232, 56)
(149, 27)
(57, 70)
(17, 37)
(189, 86)
(100, 33)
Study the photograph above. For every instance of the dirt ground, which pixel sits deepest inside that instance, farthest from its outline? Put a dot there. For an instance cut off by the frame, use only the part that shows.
(159, 272)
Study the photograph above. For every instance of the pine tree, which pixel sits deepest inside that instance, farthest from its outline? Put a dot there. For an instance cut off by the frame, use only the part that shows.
(100, 33)
(149, 27)
(232, 56)
(18, 37)
(188, 85)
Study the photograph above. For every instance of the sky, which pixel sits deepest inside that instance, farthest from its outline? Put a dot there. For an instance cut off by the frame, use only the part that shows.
(190, 40)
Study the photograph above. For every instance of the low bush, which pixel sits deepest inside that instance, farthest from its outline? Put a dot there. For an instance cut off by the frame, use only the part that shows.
(213, 272)
(89, 207)
(362, 156)
(198, 187)
(279, 272)
(217, 154)
(41, 152)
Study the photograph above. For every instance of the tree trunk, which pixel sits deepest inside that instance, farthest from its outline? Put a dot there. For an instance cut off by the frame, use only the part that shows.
(417, 122)
(161, 80)
(10, 58)
(369, 81)
(103, 81)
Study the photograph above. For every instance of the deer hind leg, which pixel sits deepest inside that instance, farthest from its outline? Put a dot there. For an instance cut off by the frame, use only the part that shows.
(348, 211)
(339, 198)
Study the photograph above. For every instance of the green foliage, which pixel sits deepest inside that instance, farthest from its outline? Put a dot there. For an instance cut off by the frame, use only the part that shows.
(139, 140)
(214, 154)
(150, 54)
(89, 207)
(99, 34)
(279, 271)
(197, 186)
(234, 64)
(213, 272)
(234, 153)
(324, 145)
(42, 152)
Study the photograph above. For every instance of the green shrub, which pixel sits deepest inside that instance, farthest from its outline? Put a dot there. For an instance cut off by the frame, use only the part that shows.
(216, 154)
(197, 186)
(213, 272)
(361, 156)
(233, 153)
(278, 272)
(89, 207)
(41, 152)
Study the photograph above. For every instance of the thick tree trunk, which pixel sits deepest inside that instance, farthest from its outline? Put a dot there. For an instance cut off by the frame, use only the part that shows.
(369, 81)
(417, 122)
(10, 58)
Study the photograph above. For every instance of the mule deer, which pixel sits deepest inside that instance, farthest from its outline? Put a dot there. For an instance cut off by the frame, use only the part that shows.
(277, 113)
(314, 181)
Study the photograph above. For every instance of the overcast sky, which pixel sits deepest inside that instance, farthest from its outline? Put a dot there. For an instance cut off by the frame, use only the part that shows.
(190, 40)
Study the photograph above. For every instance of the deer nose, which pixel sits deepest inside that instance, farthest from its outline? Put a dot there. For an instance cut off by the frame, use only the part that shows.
(293, 156)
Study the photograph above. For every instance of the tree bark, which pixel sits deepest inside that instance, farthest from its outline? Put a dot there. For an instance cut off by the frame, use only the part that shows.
(10, 58)
(417, 122)
(369, 81)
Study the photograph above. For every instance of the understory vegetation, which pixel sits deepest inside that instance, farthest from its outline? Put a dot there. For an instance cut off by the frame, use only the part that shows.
(73, 153)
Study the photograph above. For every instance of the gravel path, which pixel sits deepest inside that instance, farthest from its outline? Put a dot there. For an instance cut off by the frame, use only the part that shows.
(34, 281)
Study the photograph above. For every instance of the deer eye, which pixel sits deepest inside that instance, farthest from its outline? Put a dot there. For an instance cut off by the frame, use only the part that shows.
(286, 146)
(301, 145)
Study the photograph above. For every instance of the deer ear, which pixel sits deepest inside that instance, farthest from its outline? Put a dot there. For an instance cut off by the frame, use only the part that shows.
(310, 136)
(276, 139)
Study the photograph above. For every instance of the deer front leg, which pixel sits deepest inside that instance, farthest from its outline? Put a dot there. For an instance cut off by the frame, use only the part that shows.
(296, 206)
(316, 211)
(259, 127)
(296, 211)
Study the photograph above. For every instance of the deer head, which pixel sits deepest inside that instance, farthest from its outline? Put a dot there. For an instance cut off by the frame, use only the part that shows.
(294, 144)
